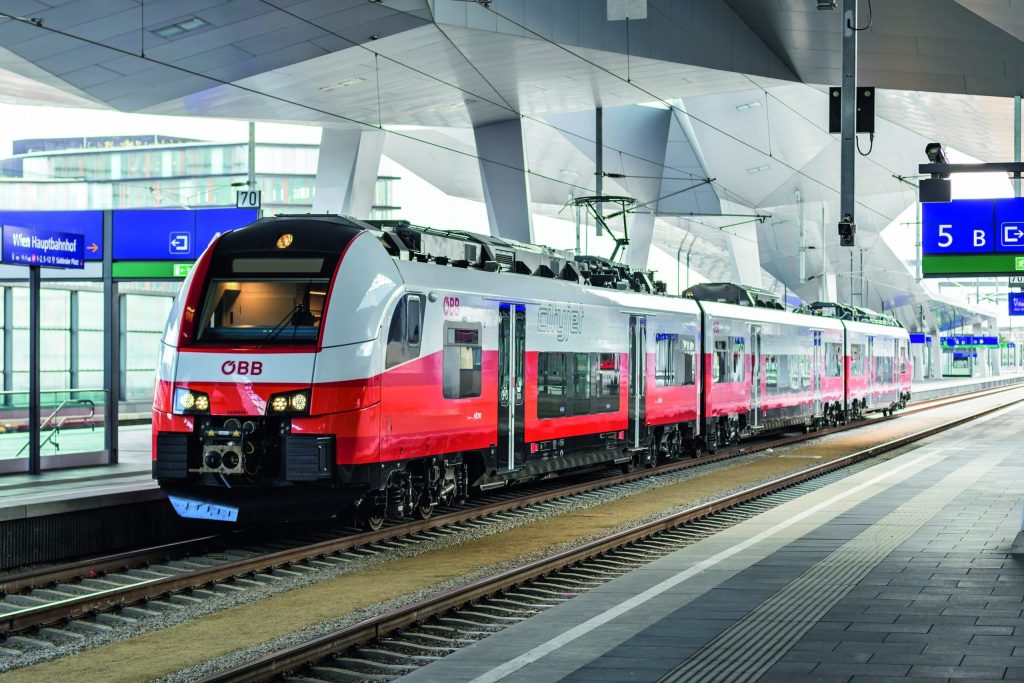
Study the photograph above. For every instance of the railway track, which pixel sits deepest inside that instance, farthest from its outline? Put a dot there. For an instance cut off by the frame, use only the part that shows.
(49, 605)
(393, 644)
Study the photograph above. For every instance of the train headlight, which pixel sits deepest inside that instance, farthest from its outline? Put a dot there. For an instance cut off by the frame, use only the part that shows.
(189, 402)
(290, 403)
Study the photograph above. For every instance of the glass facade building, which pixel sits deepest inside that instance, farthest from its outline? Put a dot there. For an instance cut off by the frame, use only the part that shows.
(169, 172)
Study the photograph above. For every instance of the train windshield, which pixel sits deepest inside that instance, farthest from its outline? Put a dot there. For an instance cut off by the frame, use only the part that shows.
(263, 310)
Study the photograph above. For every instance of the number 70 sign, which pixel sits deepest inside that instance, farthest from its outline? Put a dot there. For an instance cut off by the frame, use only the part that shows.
(247, 199)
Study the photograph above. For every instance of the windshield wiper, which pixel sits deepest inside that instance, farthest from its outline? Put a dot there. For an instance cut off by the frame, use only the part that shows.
(288, 318)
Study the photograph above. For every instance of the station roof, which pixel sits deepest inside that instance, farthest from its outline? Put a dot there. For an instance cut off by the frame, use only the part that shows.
(747, 81)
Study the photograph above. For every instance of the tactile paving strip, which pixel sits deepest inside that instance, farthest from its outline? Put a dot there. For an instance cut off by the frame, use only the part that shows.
(748, 648)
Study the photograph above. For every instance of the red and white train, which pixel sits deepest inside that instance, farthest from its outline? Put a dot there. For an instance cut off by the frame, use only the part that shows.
(312, 364)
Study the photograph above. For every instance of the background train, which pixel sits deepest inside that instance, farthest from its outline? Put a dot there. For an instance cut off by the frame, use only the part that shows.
(313, 364)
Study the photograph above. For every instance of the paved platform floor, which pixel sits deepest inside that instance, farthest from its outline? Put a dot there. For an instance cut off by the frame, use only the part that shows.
(944, 386)
(901, 570)
(55, 491)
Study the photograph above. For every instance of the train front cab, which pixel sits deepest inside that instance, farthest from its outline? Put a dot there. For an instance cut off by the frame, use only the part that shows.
(265, 401)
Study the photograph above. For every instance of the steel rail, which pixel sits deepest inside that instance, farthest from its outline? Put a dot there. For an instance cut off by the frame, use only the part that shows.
(147, 589)
(293, 657)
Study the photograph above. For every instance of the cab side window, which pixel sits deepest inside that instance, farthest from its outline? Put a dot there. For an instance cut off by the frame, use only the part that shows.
(404, 332)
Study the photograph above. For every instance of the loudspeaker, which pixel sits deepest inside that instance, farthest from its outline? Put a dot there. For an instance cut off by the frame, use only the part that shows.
(865, 110)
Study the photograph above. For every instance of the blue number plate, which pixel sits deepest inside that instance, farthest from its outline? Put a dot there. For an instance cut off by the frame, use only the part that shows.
(198, 509)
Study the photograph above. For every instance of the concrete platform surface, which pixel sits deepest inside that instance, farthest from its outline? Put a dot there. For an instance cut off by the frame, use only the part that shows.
(57, 491)
(901, 570)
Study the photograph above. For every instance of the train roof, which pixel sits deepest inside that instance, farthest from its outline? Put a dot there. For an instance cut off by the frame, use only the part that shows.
(737, 295)
(767, 315)
(460, 249)
(849, 313)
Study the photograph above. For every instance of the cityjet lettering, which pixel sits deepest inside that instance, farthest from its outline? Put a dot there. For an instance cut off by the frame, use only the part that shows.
(560, 321)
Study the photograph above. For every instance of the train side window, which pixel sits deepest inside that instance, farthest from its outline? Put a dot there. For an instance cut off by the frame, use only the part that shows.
(414, 319)
(582, 374)
(551, 384)
(771, 373)
(903, 358)
(688, 348)
(856, 359)
(606, 394)
(461, 366)
(674, 362)
(718, 371)
(738, 360)
(404, 332)
(833, 359)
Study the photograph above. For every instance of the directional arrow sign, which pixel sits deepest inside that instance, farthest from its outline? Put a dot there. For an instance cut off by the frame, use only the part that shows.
(1011, 235)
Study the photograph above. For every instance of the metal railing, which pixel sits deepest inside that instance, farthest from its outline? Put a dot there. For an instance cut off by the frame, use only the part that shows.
(59, 415)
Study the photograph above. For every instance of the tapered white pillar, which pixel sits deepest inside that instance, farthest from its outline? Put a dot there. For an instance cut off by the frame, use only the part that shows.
(502, 152)
(346, 171)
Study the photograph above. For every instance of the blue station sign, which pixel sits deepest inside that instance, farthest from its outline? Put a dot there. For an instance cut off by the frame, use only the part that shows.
(87, 223)
(172, 234)
(968, 341)
(973, 237)
(47, 248)
(1016, 303)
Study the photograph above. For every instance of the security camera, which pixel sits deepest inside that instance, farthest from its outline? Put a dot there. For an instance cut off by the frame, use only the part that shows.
(847, 230)
(936, 153)
(826, 4)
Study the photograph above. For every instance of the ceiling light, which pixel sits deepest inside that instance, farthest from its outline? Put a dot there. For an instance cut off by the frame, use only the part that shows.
(192, 24)
(168, 31)
(758, 169)
(343, 84)
(747, 105)
(181, 27)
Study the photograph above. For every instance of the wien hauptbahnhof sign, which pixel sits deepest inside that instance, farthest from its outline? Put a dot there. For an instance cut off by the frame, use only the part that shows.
(44, 248)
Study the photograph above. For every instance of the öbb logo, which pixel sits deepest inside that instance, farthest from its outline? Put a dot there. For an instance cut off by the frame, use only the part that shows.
(451, 305)
(242, 367)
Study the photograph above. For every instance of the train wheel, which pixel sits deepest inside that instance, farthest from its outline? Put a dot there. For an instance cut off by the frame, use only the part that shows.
(371, 519)
(628, 467)
(424, 510)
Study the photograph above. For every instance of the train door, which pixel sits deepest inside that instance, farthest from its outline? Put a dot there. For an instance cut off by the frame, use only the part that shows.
(818, 371)
(869, 370)
(511, 383)
(755, 376)
(637, 379)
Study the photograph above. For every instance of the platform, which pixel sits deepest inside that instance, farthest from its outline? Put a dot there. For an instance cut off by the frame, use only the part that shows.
(923, 390)
(900, 570)
(57, 491)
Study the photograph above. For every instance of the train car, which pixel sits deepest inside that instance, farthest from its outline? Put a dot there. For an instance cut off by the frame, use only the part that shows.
(765, 368)
(316, 363)
(877, 359)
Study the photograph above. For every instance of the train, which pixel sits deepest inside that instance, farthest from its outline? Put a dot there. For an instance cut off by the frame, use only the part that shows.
(319, 365)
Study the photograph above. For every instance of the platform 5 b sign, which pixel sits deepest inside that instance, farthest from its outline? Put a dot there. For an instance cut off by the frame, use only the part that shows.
(973, 237)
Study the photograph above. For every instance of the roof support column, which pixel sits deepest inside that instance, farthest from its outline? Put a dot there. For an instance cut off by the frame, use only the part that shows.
(501, 150)
(346, 171)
